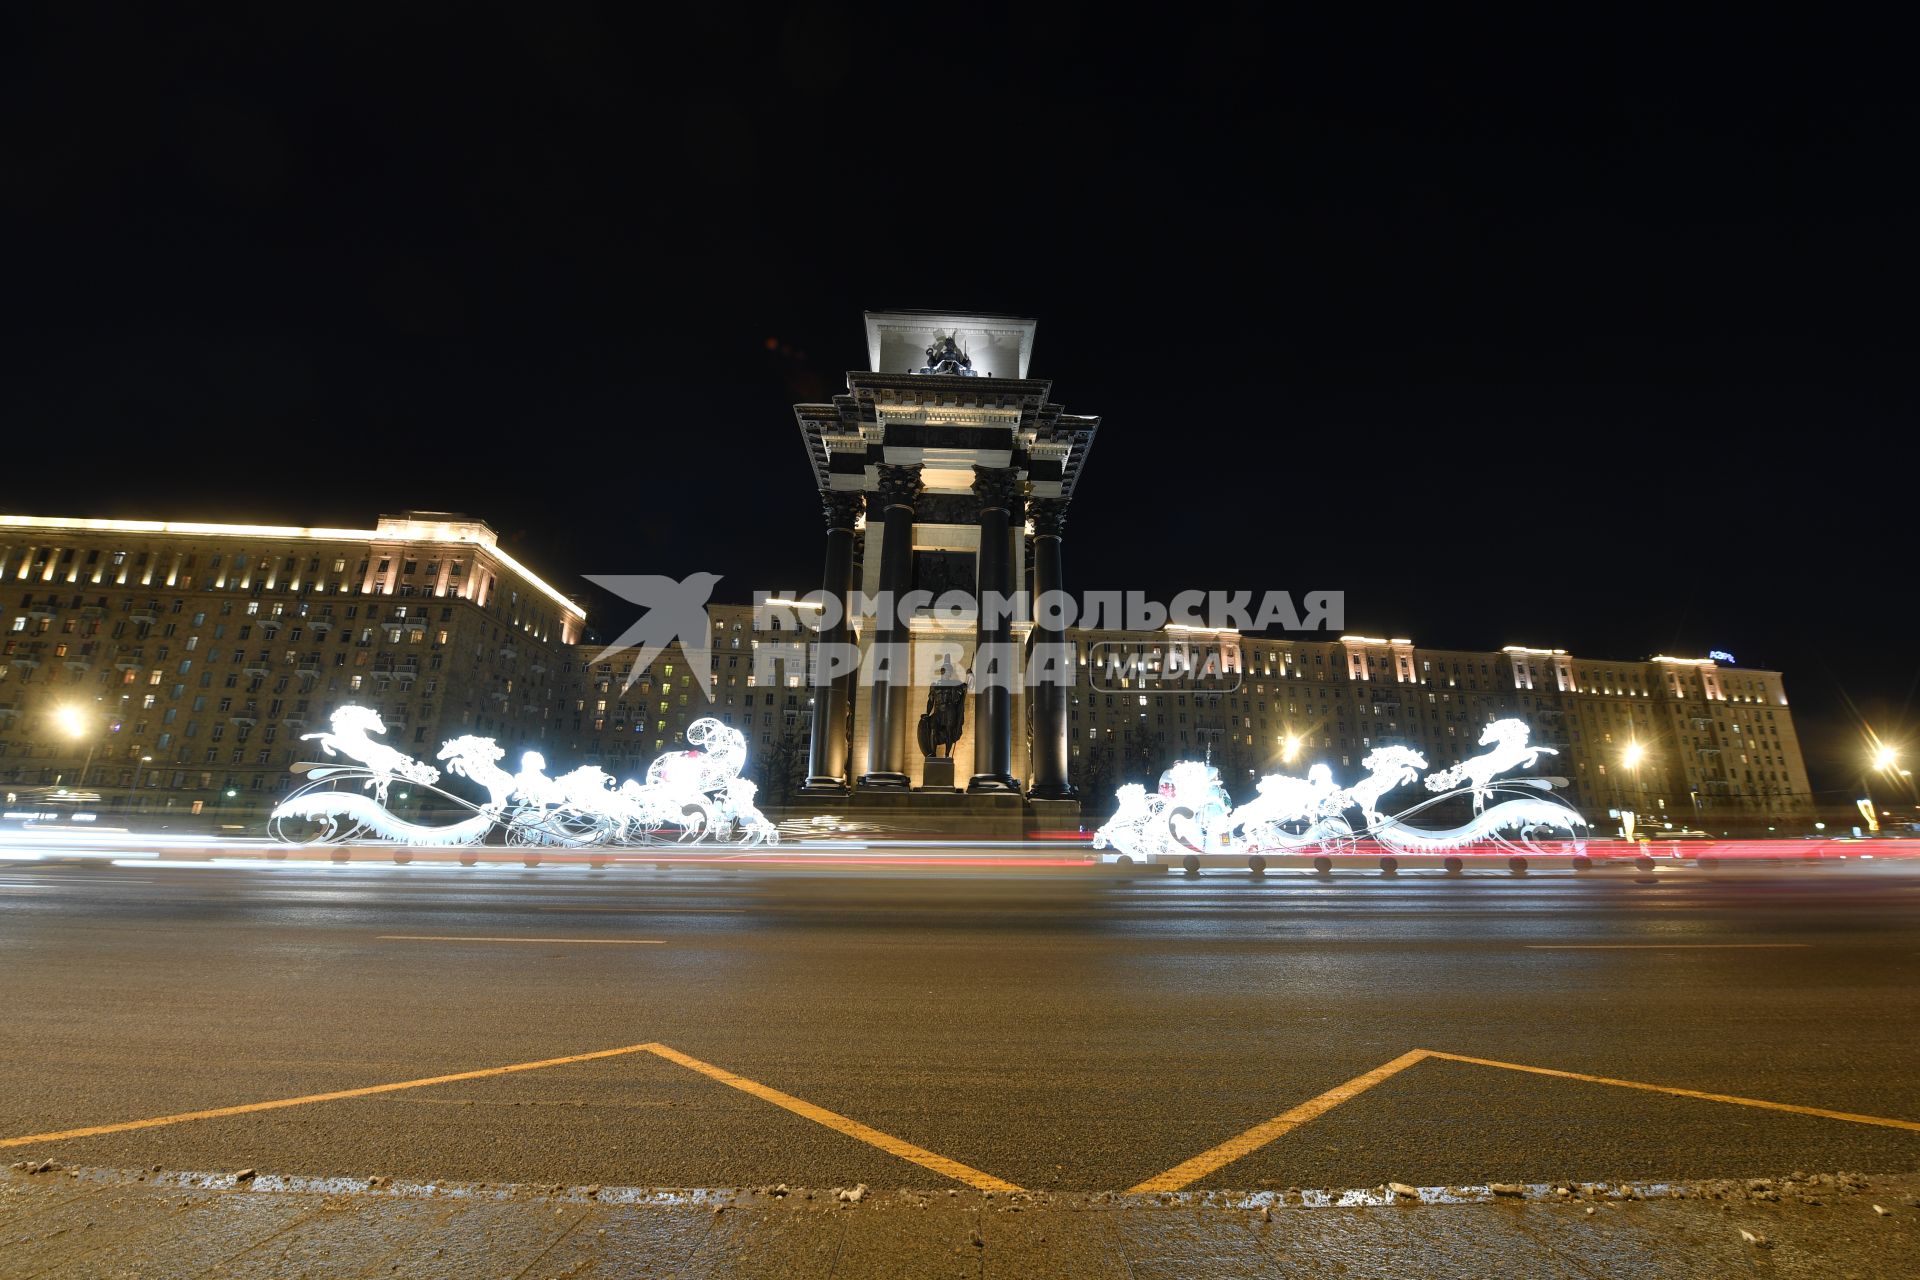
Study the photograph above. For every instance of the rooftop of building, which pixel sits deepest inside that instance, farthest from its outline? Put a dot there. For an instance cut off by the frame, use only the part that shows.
(407, 526)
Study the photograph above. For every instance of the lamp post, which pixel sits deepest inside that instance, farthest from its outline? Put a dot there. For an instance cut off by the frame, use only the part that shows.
(1886, 760)
(140, 797)
(73, 722)
(1631, 756)
(1880, 758)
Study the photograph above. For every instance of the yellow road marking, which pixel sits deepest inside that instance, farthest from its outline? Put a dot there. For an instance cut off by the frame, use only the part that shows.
(215, 1113)
(819, 1115)
(1208, 1162)
(1667, 946)
(1191, 1171)
(595, 942)
(1792, 1108)
(841, 1124)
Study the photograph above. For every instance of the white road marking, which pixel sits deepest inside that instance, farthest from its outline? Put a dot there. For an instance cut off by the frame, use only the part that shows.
(1668, 946)
(635, 911)
(600, 942)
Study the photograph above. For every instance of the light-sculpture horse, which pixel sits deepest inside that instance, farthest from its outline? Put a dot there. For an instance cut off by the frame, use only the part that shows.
(1508, 738)
(478, 759)
(1136, 814)
(700, 792)
(348, 737)
(1387, 768)
(344, 814)
(743, 821)
(1289, 814)
(1283, 799)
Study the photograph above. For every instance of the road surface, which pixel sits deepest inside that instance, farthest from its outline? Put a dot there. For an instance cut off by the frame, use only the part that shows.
(1070, 1032)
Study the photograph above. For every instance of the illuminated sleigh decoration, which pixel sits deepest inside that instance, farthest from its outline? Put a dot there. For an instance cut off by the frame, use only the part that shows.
(688, 796)
(1190, 815)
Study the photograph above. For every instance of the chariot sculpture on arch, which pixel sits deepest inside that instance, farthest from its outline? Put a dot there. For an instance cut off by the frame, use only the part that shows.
(945, 356)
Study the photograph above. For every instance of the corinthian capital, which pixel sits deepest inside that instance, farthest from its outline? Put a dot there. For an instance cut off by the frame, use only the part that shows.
(997, 487)
(1049, 516)
(841, 507)
(899, 485)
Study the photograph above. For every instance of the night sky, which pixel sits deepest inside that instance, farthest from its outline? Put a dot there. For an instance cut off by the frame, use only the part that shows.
(1563, 336)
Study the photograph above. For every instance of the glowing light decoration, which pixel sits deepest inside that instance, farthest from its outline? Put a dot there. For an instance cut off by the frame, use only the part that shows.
(687, 796)
(1191, 812)
(1508, 738)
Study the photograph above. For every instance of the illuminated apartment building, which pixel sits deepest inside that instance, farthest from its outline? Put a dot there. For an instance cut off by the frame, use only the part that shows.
(182, 661)
(601, 720)
(177, 665)
(1690, 741)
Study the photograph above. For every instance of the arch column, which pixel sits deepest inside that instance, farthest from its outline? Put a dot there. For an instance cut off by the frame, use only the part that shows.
(1051, 780)
(833, 702)
(998, 489)
(899, 490)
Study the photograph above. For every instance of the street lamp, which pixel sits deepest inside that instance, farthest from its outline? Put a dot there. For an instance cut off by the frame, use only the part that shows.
(1884, 759)
(1631, 756)
(73, 722)
(1887, 760)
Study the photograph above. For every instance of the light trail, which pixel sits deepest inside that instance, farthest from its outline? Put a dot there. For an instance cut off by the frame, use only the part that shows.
(1049, 851)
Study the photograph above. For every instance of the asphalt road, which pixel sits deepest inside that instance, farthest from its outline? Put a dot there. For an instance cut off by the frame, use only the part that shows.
(1070, 1032)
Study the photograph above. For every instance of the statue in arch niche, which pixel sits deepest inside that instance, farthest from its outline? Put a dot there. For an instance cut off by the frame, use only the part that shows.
(946, 713)
(946, 356)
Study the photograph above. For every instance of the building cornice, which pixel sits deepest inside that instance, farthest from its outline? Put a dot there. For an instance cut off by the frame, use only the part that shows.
(294, 533)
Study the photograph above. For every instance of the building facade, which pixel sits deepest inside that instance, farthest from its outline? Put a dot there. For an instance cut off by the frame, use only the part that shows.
(608, 715)
(173, 666)
(1687, 741)
(176, 665)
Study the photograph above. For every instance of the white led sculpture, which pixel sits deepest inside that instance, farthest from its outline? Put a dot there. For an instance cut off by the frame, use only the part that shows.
(1190, 807)
(1508, 738)
(348, 737)
(1189, 815)
(1387, 768)
(698, 795)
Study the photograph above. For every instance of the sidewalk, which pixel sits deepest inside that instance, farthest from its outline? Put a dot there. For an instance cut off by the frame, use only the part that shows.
(106, 1223)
